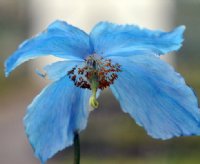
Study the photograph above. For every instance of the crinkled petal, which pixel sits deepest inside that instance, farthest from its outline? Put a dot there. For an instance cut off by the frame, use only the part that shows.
(60, 69)
(112, 40)
(156, 97)
(53, 117)
(60, 39)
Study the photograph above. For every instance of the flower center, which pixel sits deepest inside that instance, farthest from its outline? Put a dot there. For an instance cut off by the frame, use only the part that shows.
(94, 73)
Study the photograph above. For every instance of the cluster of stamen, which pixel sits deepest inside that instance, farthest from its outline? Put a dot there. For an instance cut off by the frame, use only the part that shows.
(97, 69)
(94, 73)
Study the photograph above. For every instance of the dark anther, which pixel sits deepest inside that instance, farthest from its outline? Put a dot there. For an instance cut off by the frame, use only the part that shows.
(102, 70)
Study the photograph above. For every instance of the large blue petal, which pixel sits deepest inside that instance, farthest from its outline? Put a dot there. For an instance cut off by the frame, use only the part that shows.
(60, 69)
(156, 97)
(60, 39)
(111, 39)
(53, 117)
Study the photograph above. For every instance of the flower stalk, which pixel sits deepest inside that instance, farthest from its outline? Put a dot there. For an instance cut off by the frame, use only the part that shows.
(76, 148)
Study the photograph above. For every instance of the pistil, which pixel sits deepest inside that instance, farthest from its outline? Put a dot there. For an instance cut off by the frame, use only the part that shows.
(93, 99)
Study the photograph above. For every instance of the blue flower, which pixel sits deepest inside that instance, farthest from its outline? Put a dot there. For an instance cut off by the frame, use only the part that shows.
(125, 58)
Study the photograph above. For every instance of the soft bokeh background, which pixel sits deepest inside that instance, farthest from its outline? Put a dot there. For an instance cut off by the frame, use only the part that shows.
(111, 137)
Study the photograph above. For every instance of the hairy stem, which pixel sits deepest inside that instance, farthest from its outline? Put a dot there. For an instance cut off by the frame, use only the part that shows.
(76, 148)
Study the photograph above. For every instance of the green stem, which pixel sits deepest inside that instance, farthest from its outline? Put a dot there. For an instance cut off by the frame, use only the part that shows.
(76, 148)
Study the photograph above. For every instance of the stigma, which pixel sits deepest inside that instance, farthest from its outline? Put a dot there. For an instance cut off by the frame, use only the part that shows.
(94, 73)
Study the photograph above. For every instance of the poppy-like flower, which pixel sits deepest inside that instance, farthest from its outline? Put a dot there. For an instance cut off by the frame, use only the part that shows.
(125, 58)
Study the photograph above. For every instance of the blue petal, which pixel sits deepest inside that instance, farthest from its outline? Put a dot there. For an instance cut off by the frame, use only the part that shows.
(53, 117)
(42, 75)
(111, 39)
(156, 97)
(60, 39)
(60, 69)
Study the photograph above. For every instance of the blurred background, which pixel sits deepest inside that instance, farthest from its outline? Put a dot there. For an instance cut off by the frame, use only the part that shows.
(111, 137)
